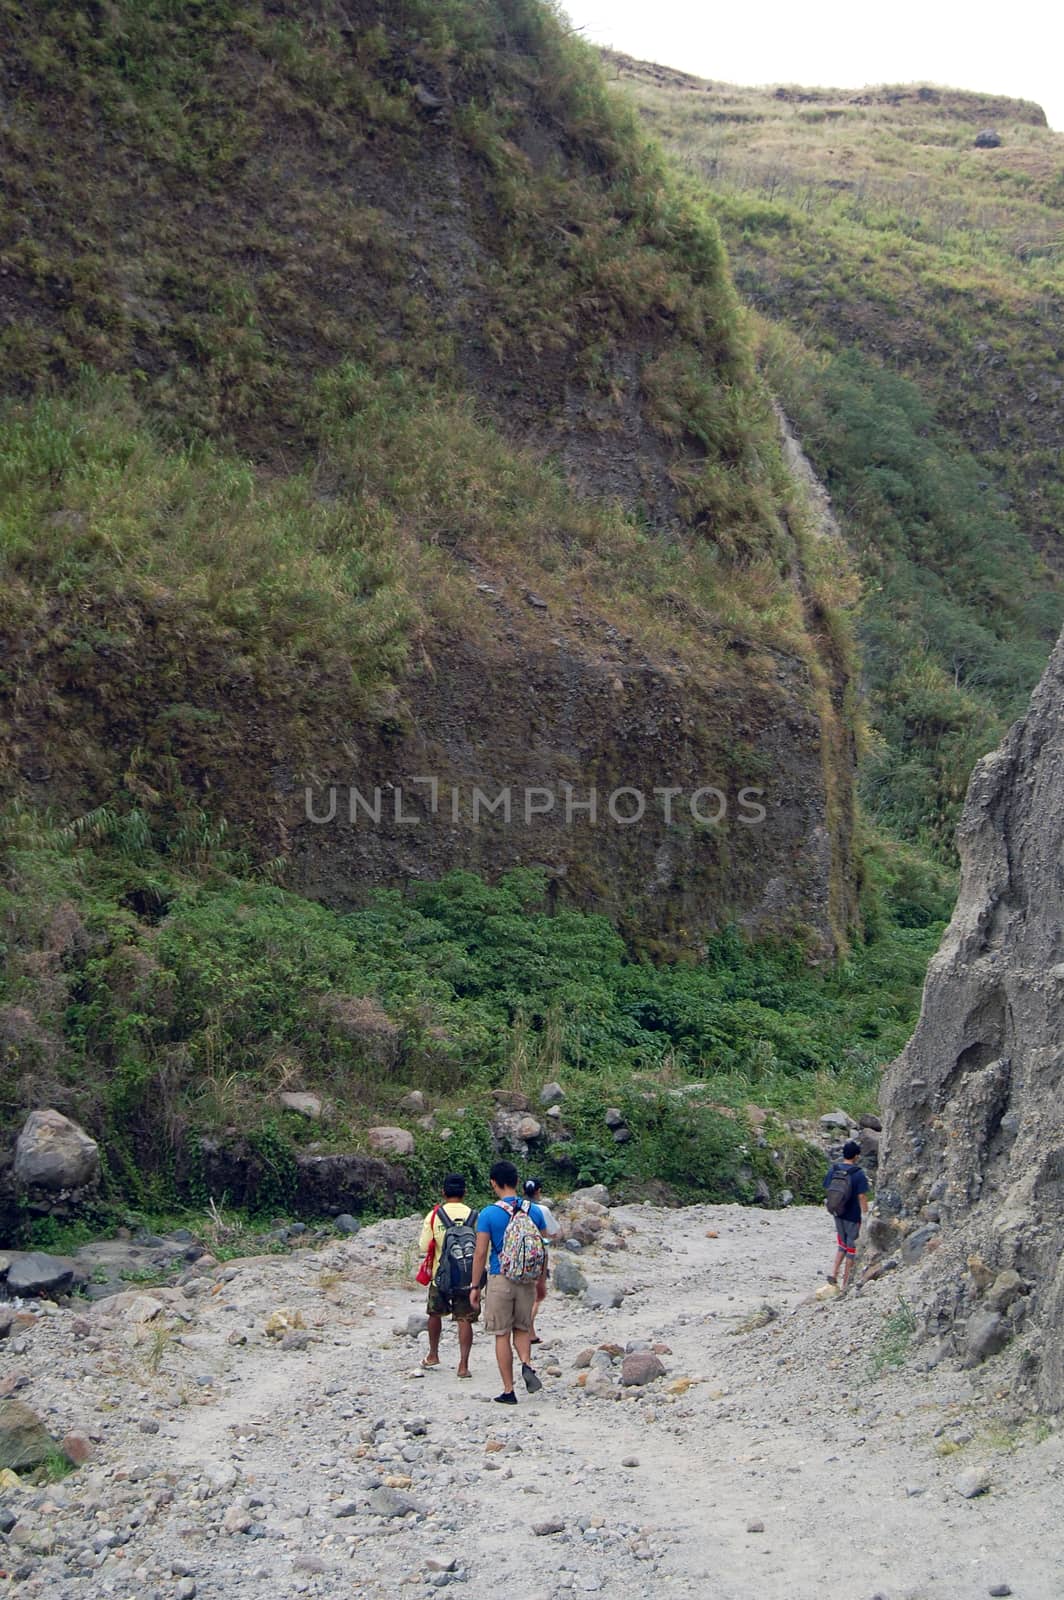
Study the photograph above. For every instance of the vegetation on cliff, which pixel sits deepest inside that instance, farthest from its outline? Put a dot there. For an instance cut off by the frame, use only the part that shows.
(910, 286)
(159, 991)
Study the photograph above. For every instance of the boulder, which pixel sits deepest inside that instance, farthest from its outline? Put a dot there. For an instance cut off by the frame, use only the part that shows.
(566, 1275)
(917, 1243)
(304, 1105)
(836, 1119)
(414, 1103)
(597, 1193)
(987, 139)
(1006, 1287)
(870, 1121)
(551, 1093)
(24, 1440)
(601, 1298)
(53, 1153)
(985, 1333)
(640, 1367)
(613, 1118)
(514, 1130)
(392, 1141)
(510, 1100)
(40, 1274)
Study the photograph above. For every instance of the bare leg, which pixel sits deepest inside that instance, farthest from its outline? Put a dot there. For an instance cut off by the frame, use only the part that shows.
(523, 1346)
(840, 1257)
(505, 1359)
(847, 1272)
(465, 1345)
(435, 1329)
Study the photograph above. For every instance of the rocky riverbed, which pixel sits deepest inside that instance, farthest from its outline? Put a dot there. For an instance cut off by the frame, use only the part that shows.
(265, 1427)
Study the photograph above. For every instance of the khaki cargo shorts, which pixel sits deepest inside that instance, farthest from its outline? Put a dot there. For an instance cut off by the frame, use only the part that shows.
(508, 1305)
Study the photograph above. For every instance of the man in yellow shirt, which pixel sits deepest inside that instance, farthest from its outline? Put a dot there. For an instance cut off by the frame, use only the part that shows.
(462, 1313)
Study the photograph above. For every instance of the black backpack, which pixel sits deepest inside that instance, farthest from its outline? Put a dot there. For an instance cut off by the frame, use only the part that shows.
(840, 1190)
(454, 1275)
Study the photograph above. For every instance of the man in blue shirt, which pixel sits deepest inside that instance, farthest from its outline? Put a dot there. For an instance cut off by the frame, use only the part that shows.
(508, 1307)
(848, 1222)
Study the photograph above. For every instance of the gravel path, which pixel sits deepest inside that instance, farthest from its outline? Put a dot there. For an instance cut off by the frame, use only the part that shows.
(765, 1465)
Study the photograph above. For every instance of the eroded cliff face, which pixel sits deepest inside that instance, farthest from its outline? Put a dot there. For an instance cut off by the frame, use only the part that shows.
(974, 1114)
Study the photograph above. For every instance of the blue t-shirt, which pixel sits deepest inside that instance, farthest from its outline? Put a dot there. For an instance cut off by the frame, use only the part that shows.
(495, 1219)
(859, 1185)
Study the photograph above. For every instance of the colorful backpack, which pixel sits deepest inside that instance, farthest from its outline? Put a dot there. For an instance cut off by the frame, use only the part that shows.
(523, 1255)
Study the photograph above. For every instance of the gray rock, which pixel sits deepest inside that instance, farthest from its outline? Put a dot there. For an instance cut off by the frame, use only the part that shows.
(304, 1105)
(987, 139)
(551, 1093)
(53, 1153)
(346, 1223)
(548, 1526)
(870, 1121)
(566, 1275)
(390, 1503)
(39, 1274)
(601, 1298)
(414, 1103)
(24, 1440)
(595, 1192)
(641, 1367)
(416, 1324)
(573, 1245)
(391, 1141)
(1006, 1287)
(613, 1118)
(985, 1333)
(622, 1135)
(999, 1589)
(755, 1525)
(914, 1246)
(987, 1045)
(837, 1119)
(973, 1481)
(601, 1386)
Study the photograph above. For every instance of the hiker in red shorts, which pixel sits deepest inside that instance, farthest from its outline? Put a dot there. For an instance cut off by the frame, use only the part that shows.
(845, 1177)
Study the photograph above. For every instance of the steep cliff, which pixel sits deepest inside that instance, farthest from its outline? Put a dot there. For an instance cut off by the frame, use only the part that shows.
(421, 439)
(974, 1112)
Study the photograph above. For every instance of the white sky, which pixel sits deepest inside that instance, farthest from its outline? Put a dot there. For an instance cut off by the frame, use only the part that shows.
(1014, 48)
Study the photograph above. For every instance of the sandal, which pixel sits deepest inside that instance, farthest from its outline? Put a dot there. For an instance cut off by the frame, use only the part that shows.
(429, 1365)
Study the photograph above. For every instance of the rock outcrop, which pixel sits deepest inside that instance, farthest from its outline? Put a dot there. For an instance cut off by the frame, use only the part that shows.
(53, 1153)
(974, 1113)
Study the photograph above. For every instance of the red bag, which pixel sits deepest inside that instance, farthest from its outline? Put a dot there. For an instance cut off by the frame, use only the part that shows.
(424, 1271)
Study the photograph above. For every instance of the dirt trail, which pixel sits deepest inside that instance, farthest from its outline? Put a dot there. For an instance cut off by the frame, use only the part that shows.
(784, 1427)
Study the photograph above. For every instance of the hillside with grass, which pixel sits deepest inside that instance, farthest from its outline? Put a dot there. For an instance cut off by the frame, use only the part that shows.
(910, 286)
(379, 412)
(380, 407)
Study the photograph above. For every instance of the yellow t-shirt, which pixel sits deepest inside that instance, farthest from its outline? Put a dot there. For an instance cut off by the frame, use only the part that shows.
(433, 1228)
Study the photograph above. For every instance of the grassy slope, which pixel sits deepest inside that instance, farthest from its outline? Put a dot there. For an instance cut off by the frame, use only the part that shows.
(160, 992)
(331, 333)
(281, 497)
(915, 286)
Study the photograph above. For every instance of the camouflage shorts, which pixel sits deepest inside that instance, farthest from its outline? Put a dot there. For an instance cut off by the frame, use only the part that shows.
(459, 1309)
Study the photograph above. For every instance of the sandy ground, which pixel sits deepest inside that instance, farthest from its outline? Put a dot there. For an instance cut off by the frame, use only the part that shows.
(267, 1467)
